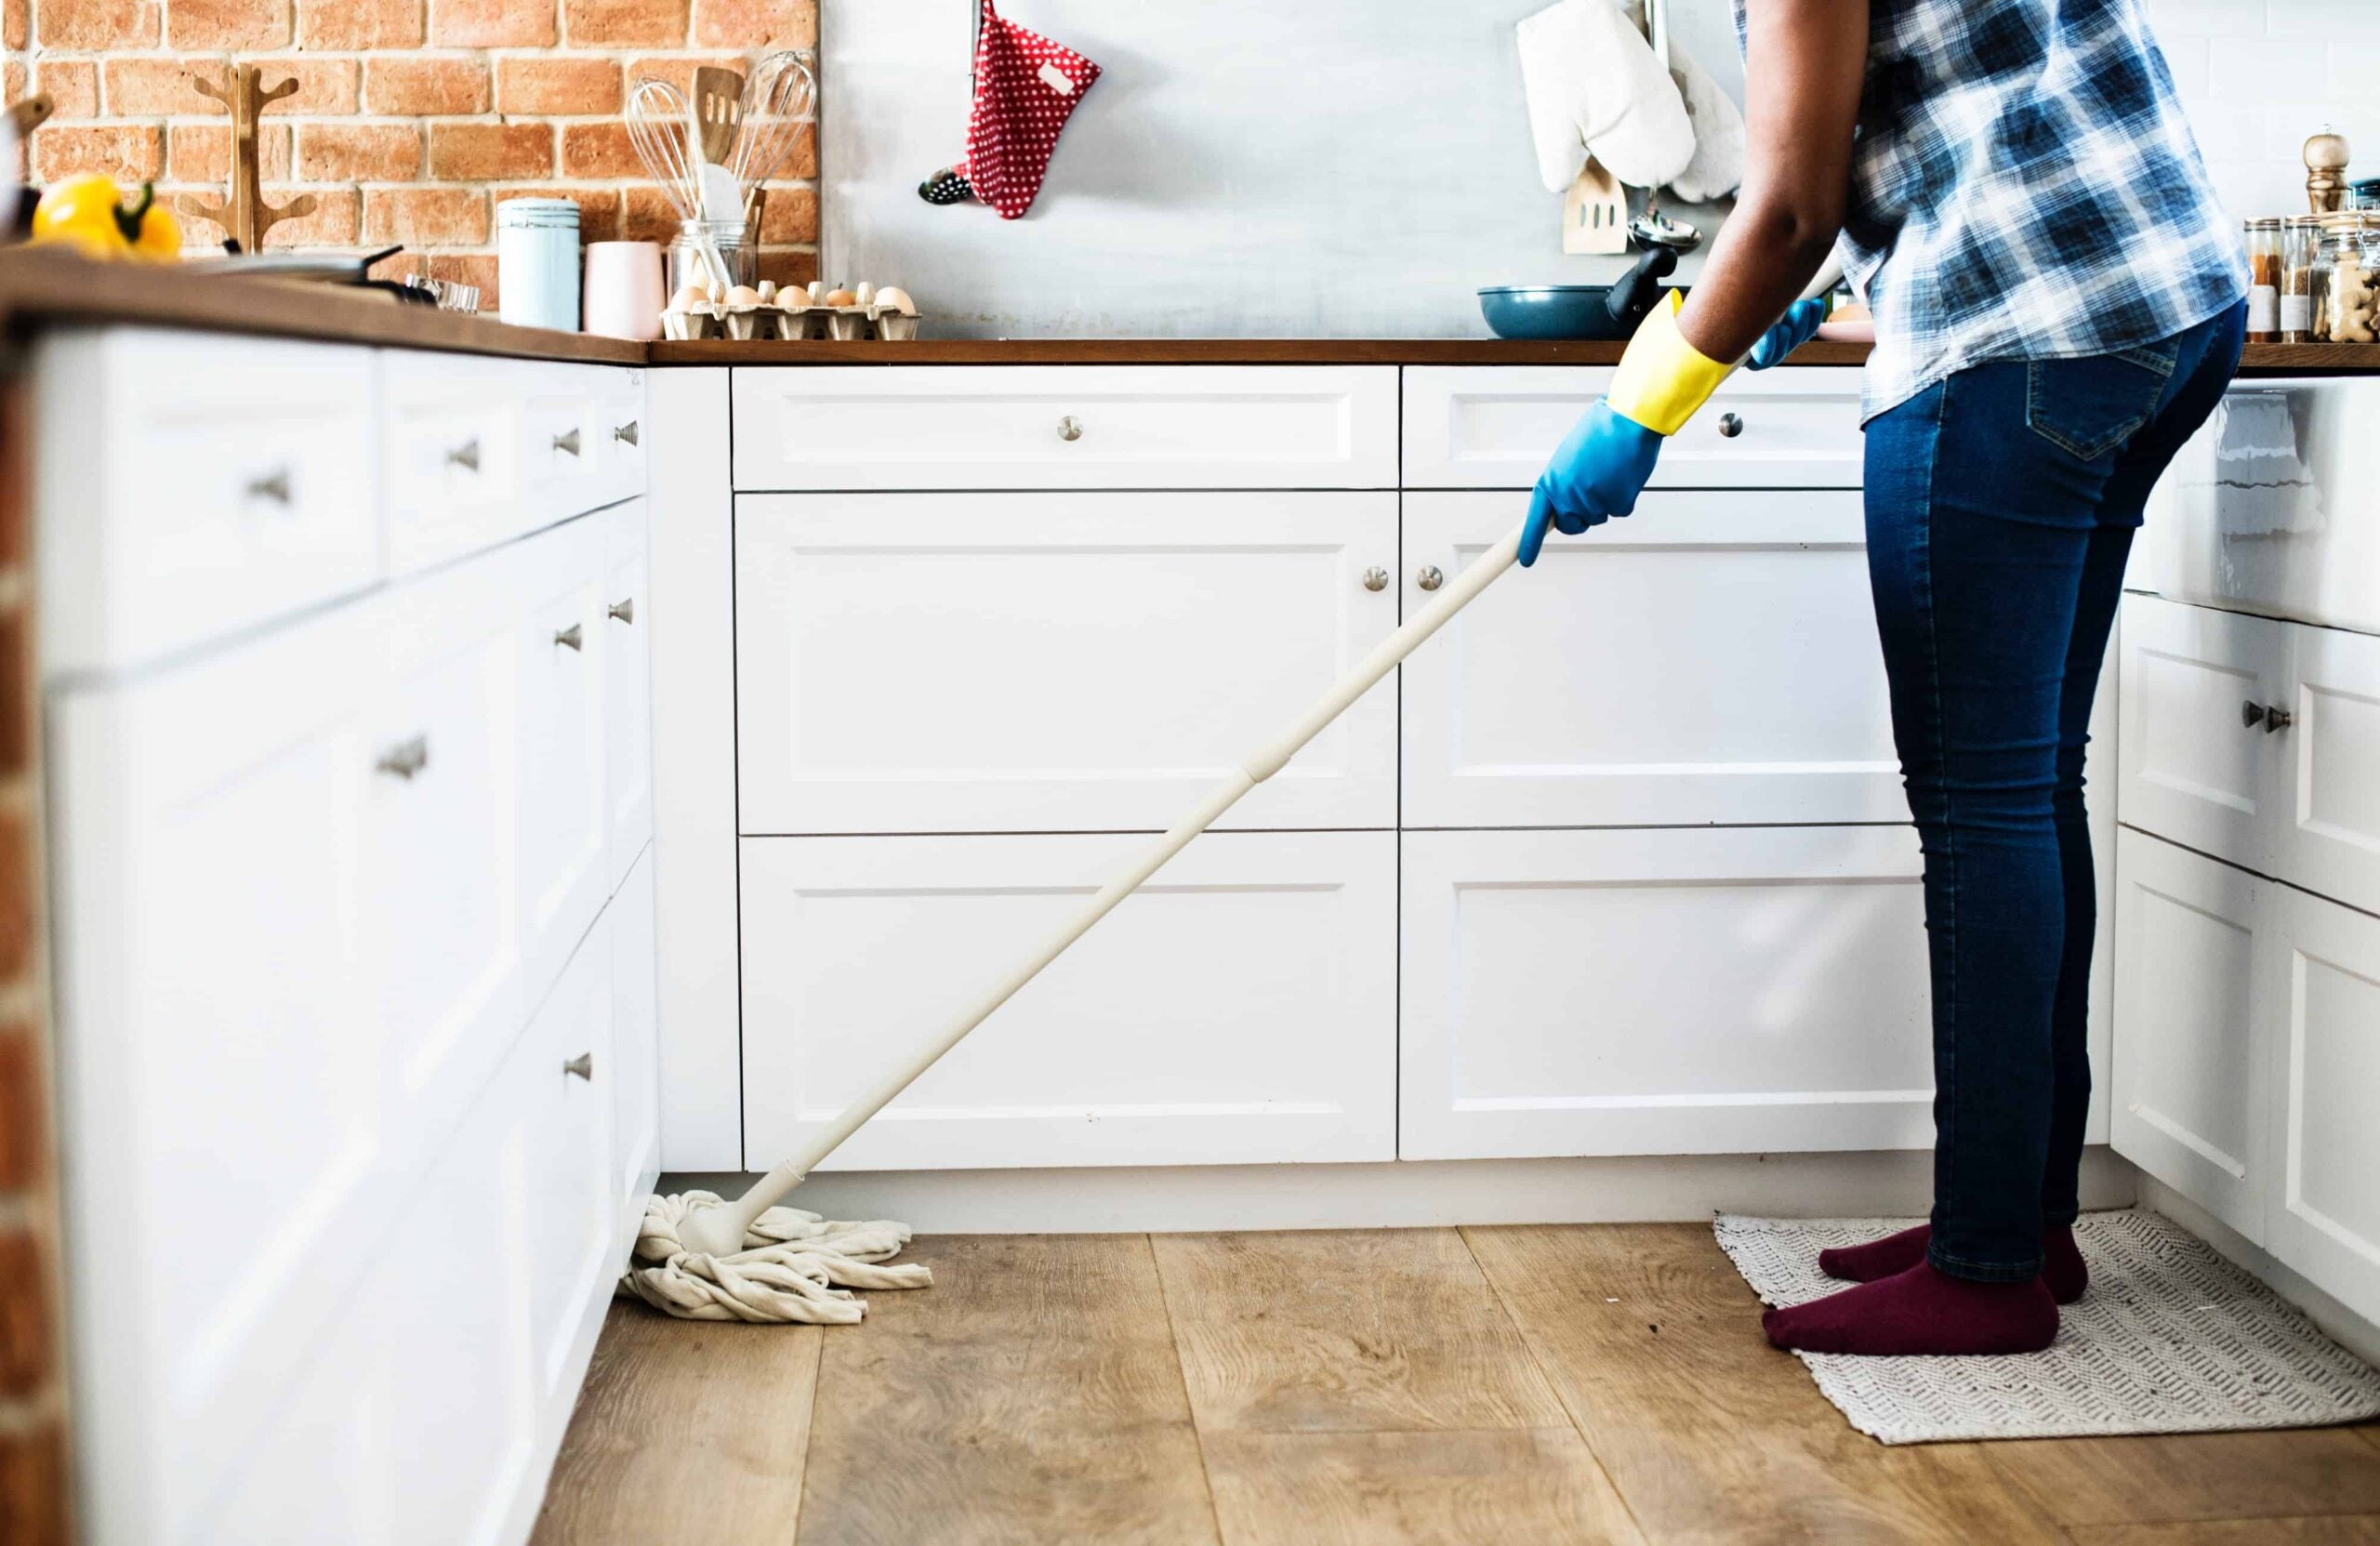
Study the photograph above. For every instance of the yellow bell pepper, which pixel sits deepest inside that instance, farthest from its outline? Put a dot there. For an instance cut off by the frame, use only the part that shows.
(87, 213)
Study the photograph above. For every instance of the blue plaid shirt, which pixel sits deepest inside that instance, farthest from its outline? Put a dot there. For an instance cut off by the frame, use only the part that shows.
(2024, 187)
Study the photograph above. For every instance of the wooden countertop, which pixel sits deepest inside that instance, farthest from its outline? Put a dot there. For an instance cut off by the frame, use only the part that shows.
(39, 288)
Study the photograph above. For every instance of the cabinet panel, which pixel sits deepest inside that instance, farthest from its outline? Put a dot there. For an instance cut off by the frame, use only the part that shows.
(2323, 995)
(636, 1106)
(2192, 767)
(1076, 662)
(1239, 1008)
(1494, 427)
(560, 749)
(451, 438)
(1713, 658)
(2190, 1077)
(2328, 799)
(965, 426)
(628, 690)
(568, 1090)
(1663, 992)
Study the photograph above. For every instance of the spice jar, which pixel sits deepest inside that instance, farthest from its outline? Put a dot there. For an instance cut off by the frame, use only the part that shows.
(2343, 300)
(2264, 280)
(536, 263)
(2301, 253)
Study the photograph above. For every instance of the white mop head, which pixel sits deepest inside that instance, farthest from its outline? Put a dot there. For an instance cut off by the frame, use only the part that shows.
(794, 1266)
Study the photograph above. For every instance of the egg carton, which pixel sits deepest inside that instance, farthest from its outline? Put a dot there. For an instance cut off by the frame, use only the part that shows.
(816, 312)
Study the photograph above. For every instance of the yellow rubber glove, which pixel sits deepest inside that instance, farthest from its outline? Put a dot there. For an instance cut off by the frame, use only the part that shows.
(1662, 379)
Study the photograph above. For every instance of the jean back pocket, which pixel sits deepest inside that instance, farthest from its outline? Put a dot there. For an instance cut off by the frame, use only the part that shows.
(2090, 407)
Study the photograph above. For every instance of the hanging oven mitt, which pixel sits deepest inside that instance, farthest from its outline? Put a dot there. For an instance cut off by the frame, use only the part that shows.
(1594, 87)
(1025, 89)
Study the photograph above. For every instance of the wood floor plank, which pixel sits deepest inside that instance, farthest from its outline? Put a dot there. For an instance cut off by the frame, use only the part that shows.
(2336, 1530)
(2177, 1477)
(1347, 1330)
(1710, 1435)
(685, 1430)
(1031, 1395)
(1390, 1489)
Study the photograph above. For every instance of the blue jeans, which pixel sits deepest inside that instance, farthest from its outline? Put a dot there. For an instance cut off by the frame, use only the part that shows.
(2001, 506)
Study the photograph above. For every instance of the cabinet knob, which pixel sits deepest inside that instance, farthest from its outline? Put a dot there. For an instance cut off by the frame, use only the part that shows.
(626, 432)
(583, 1066)
(2278, 718)
(567, 442)
(570, 638)
(1375, 578)
(1430, 577)
(1730, 425)
(1070, 427)
(274, 485)
(2252, 714)
(623, 612)
(405, 758)
(466, 455)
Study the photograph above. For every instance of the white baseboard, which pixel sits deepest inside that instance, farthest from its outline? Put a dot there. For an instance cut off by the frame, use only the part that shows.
(2354, 1333)
(1397, 1195)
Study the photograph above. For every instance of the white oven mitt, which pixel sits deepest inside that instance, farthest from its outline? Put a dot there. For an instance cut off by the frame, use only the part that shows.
(1717, 168)
(1594, 88)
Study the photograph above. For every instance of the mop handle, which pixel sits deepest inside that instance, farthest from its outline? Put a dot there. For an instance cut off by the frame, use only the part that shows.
(1383, 658)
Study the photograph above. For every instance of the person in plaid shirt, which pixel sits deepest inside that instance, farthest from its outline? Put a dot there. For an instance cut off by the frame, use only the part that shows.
(2059, 304)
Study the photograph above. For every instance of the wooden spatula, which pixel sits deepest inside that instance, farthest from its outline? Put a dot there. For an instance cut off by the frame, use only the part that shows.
(1594, 212)
(719, 108)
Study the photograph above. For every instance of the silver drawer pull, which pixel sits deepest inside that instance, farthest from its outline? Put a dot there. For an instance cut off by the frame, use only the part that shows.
(1375, 578)
(583, 1066)
(567, 442)
(1070, 427)
(623, 612)
(570, 638)
(626, 432)
(466, 455)
(1430, 578)
(405, 758)
(1730, 426)
(2278, 718)
(274, 485)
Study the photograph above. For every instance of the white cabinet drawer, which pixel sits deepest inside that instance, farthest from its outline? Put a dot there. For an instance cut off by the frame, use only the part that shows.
(636, 1041)
(2327, 801)
(627, 689)
(575, 1191)
(1073, 662)
(1494, 427)
(2197, 764)
(560, 750)
(2274, 506)
(620, 433)
(188, 490)
(2323, 993)
(2191, 1060)
(1239, 1008)
(1711, 658)
(566, 422)
(1662, 992)
(962, 427)
(453, 437)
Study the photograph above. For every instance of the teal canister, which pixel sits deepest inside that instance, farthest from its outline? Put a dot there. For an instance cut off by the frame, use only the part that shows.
(536, 263)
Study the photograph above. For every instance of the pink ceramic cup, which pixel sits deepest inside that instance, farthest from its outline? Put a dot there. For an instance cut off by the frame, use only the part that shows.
(623, 297)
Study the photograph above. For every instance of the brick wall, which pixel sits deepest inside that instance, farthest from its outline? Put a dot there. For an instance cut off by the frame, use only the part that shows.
(32, 1443)
(412, 117)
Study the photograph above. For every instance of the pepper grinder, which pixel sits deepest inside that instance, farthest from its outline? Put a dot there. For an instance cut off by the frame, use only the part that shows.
(2326, 156)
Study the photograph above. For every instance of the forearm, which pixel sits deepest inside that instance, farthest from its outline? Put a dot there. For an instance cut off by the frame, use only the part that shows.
(1763, 261)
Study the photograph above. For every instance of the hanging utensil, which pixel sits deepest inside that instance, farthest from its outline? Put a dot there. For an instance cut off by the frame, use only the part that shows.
(1654, 228)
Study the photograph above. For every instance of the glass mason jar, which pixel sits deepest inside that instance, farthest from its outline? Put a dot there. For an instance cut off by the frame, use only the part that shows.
(2301, 256)
(688, 266)
(2264, 280)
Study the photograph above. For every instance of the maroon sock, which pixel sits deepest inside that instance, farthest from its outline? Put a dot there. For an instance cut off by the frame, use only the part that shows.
(1920, 1311)
(2062, 1266)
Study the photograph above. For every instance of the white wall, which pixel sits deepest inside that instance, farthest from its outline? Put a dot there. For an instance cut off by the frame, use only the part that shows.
(1360, 167)
(2260, 75)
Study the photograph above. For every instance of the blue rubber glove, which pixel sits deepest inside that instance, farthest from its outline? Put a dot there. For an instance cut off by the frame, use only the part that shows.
(1796, 327)
(1597, 473)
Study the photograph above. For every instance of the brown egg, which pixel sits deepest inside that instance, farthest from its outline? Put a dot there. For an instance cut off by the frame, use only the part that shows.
(687, 298)
(842, 298)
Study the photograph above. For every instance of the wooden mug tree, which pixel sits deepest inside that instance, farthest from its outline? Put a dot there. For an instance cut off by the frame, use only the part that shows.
(244, 215)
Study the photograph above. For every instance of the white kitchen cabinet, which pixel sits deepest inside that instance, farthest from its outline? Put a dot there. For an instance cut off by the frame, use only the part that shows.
(451, 443)
(2189, 1080)
(1662, 992)
(2322, 994)
(1052, 663)
(627, 632)
(560, 750)
(572, 1228)
(2328, 769)
(2197, 754)
(636, 1038)
(1241, 1007)
(1494, 427)
(1068, 427)
(1712, 659)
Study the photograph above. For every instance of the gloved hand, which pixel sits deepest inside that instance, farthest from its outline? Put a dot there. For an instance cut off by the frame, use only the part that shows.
(1796, 327)
(1597, 473)
(1605, 462)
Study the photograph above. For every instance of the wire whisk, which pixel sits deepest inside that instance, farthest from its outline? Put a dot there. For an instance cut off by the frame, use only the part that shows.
(778, 100)
(661, 128)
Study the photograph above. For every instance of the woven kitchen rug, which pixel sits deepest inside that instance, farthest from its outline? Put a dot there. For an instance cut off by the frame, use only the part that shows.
(2172, 1339)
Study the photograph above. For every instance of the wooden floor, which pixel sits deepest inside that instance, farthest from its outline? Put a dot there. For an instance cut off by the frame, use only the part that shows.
(1513, 1385)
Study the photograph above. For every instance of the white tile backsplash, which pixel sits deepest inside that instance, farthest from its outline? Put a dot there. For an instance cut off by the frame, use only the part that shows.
(2258, 76)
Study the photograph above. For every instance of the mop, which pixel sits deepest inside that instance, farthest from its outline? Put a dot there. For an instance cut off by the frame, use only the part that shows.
(701, 1256)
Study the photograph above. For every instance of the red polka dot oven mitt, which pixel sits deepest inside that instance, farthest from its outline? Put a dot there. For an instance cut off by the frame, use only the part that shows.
(1025, 89)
